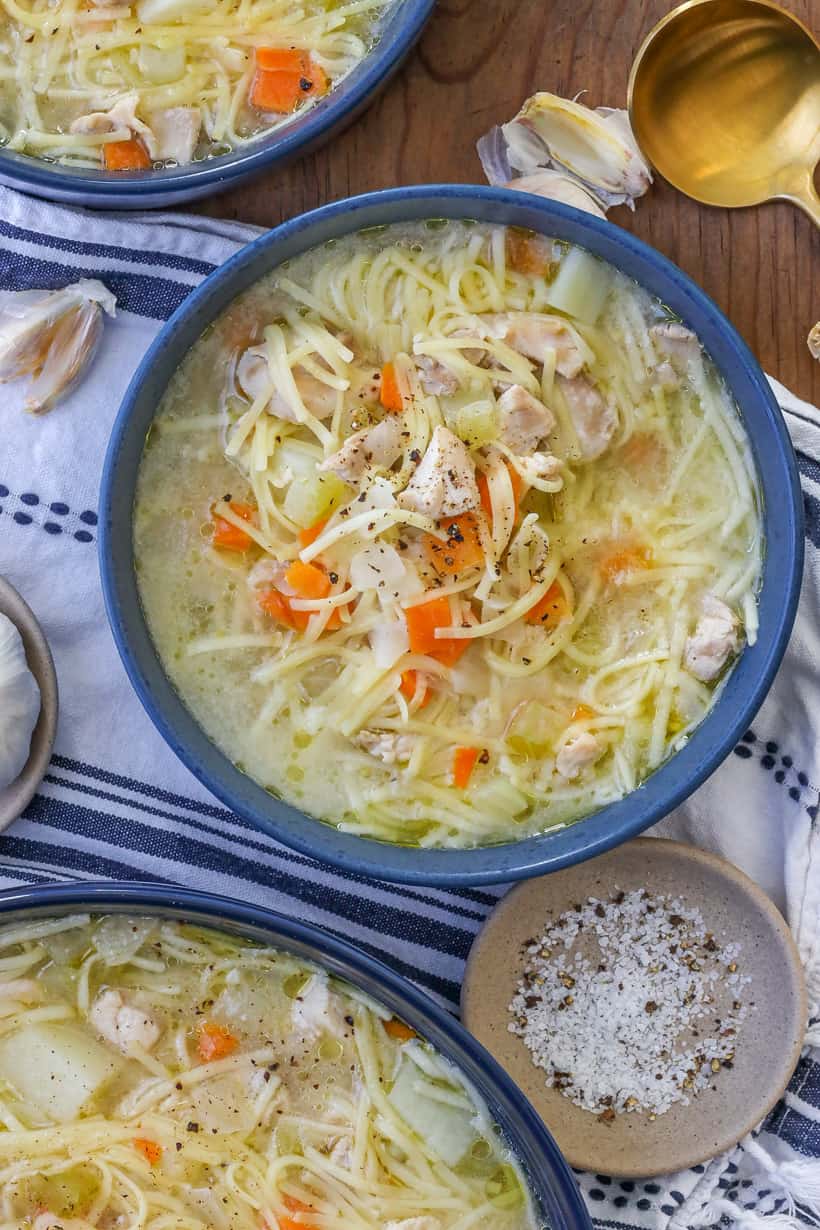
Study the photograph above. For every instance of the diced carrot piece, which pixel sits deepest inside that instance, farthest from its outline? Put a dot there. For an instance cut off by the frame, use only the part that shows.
(551, 610)
(282, 89)
(150, 1150)
(409, 686)
(306, 537)
(464, 761)
(130, 155)
(215, 1042)
(399, 1030)
(277, 607)
(528, 252)
(484, 490)
(422, 621)
(616, 566)
(461, 551)
(643, 450)
(390, 395)
(308, 580)
(281, 59)
(228, 536)
(295, 1206)
(581, 713)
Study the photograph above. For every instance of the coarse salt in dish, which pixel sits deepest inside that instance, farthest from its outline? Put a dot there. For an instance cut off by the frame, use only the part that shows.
(630, 1004)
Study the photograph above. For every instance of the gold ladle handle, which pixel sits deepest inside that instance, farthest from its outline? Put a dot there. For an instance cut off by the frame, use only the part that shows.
(804, 196)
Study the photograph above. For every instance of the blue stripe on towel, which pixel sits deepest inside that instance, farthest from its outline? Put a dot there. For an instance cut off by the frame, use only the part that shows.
(154, 297)
(105, 251)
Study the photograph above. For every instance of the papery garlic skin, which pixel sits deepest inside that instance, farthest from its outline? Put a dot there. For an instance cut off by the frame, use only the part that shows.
(19, 704)
(813, 342)
(51, 336)
(596, 150)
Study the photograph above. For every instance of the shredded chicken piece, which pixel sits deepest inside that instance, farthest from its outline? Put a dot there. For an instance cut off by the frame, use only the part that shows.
(21, 991)
(253, 379)
(390, 748)
(675, 343)
(316, 1010)
(121, 1024)
(534, 335)
(373, 446)
(524, 420)
(122, 115)
(575, 755)
(714, 640)
(435, 377)
(176, 132)
(540, 465)
(444, 485)
(594, 419)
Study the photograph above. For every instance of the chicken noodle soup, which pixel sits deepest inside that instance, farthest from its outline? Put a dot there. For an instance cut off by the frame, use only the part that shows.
(140, 83)
(448, 534)
(156, 1074)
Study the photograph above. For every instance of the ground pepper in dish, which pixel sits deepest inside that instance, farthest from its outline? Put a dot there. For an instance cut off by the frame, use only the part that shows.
(630, 1004)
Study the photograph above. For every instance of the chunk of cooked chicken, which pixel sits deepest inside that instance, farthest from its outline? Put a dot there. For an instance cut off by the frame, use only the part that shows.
(121, 1024)
(593, 418)
(577, 754)
(435, 377)
(50, 1221)
(372, 446)
(176, 132)
(541, 465)
(253, 378)
(675, 342)
(714, 640)
(524, 419)
(385, 746)
(316, 1010)
(122, 115)
(535, 335)
(444, 484)
(20, 991)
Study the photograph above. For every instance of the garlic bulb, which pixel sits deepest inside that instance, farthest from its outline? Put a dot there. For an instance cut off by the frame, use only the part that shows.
(596, 150)
(19, 704)
(51, 336)
(813, 341)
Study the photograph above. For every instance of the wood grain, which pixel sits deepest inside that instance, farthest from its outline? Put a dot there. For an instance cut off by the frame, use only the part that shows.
(476, 62)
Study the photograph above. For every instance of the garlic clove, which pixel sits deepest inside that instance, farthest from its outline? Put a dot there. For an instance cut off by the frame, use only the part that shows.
(51, 336)
(813, 342)
(73, 345)
(19, 704)
(597, 147)
(556, 186)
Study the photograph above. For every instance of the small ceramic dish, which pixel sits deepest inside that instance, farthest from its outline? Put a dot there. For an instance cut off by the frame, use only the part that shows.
(16, 797)
(734, 909)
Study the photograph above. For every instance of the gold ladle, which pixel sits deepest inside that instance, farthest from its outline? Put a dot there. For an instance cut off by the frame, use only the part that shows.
(724, 100)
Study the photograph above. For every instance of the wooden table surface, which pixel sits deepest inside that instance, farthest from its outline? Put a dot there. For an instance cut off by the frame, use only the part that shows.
(476, 63)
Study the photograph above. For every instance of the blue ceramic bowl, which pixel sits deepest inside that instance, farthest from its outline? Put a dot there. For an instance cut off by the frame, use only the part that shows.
(746, 687)
(398, 31)
(550, 1178)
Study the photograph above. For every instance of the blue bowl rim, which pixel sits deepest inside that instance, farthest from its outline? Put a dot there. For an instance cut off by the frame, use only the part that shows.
(139, 189)
(558, 1193)
(594, 834)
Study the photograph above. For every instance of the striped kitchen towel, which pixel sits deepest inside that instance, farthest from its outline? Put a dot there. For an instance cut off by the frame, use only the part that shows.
(117, 804)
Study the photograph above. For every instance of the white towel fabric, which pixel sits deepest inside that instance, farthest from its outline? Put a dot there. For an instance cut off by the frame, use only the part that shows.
(117, 804)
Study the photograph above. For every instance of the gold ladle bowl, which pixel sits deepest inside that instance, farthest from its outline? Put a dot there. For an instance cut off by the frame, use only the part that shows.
(724, 100)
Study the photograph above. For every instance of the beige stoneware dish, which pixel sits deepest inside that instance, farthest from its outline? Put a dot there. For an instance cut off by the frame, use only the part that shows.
(16, 797)
(734, 909)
